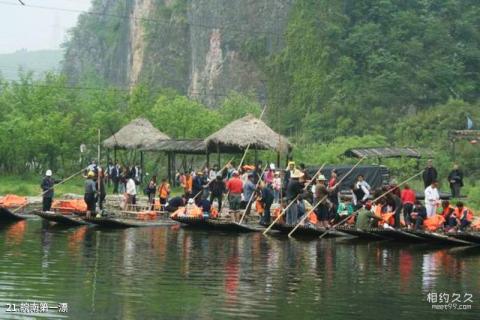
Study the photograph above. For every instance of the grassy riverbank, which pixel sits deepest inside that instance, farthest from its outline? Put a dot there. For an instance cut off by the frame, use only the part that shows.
(30, 186)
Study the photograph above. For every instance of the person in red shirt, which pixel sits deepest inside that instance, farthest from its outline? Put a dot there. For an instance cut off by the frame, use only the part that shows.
(408, 200)
(235, 189)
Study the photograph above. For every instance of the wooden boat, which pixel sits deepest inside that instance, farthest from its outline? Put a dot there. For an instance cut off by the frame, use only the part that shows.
(217, 224)
(307, 231)
(121, 223)
(362, 234)
(63, 219)
(473, 237)
(7, 214)
(439, 238)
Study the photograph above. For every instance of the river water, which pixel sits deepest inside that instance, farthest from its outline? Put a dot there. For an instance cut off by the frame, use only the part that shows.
(177, 273)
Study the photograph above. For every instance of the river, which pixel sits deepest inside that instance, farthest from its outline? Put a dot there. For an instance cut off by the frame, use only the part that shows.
(177, 273)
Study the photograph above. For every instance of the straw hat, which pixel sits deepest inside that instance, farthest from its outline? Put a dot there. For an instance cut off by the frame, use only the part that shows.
(90, 174)
(48, 173)
(321, 178)
(272, 166)
(297, 174)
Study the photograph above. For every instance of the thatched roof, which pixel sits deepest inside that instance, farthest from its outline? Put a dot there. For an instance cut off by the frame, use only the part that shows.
(179, 146)
(385, 152)
(138, 134)
(237, 135)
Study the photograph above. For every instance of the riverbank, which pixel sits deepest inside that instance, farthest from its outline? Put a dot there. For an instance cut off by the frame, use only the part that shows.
(30, 187)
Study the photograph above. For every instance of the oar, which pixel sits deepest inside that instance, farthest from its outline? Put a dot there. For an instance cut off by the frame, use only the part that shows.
(61, 182)
(325, 197)
(373, 201)
(290, 204)
(253, 193)
(200, 192)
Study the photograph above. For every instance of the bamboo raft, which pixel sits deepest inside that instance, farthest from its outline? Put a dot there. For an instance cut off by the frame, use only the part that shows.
(122, 223)
(217, 224)
(7, 215)
(407, 236)
(63, 219)
(439, 238)
(396, 234)
(306, 231)
(362, 234)
(473, 237)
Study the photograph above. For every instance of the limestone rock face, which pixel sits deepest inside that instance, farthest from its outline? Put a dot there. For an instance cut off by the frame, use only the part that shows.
(202, 48)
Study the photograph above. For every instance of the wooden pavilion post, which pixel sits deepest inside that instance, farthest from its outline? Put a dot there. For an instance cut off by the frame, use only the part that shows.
(169, 167)
(142, 169)
(218, 155)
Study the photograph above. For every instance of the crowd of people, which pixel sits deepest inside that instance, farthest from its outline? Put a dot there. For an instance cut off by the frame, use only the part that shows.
(292, 189)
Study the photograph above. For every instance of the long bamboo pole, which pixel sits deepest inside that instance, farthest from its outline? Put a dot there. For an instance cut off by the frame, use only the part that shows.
(61, 182)
(253, 193)
(291, 202)
(325, 197)
(374, 200)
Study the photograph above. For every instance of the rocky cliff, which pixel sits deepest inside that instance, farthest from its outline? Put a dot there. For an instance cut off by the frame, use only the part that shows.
(203, 48)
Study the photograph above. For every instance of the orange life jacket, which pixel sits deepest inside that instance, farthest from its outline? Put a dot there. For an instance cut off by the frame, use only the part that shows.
(187, 184)
(69, 206)
(434, 223)
(214, 213)
(459, 214)
(447, 210)
(313, 218)
(193, 211)
(146, 215)
(259, 207)
(164, 190)
(476, 225)
(276, 213)
(12, 201)
(387, 217)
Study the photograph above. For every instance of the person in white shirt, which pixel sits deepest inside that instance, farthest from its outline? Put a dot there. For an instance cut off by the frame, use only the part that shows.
(131, 192)
(362, 183)
(360, 194)
(432, 199)
(212, 175)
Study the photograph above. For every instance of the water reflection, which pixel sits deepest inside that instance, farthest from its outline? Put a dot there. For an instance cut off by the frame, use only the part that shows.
(174, 272)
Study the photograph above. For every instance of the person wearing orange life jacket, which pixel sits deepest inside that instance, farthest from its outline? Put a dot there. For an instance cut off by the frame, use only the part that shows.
(463, 215)
(164, 192)
(187, 184)
(448, 211)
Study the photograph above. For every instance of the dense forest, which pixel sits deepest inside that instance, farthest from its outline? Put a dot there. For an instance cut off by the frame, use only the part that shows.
(349, 73)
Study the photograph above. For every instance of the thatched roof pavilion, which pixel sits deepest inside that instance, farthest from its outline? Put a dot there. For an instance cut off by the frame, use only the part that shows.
(138, 134)
(237, 135)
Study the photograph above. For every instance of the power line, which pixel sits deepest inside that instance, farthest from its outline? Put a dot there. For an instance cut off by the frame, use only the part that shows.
(165, 22)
